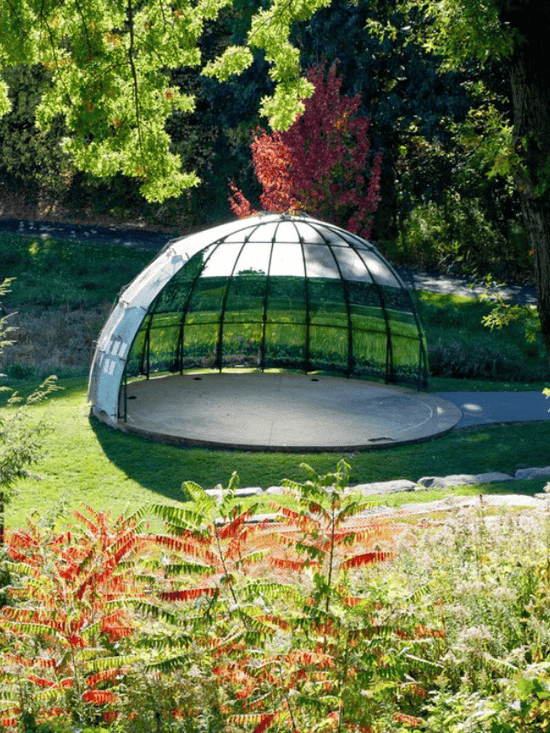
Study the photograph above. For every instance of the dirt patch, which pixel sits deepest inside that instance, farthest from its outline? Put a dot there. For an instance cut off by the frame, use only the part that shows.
(46, 341)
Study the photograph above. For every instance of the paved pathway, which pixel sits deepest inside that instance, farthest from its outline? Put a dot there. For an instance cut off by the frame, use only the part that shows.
(479, 408)
(523, 294)
(131, 238)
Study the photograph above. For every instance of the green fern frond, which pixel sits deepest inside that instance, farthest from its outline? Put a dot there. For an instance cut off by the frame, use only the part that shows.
(187, 568)
(425, 664)
(189, 518)
(261, 588)
(172, 664)
(257, 637)
(502, 666)
(292, 485)
(252, 557)
(9, 706)
(233, 484)
(152, 610)
(101, 664)
(198, 494)
(162, 642)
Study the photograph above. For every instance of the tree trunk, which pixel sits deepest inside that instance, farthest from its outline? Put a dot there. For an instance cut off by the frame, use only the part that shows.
(530, 80)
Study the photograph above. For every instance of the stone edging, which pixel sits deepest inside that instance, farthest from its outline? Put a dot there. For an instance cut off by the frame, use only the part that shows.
(539, 501)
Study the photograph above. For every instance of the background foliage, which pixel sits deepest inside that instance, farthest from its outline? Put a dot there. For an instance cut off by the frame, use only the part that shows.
(426, 118)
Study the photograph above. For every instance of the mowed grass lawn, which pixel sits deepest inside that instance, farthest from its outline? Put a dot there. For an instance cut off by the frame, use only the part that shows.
(84, 461)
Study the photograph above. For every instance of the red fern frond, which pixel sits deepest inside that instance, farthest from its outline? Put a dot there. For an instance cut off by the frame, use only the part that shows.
(261, 719)
(40, 681)
(85, 520)
(76, 641)
(408, 719)
(285, 564)
(422, 632)
(18, 556)
(367, 558)
(99, 697)
(303, 656)
(40, 662)
(275, 620)
(124, 547)
(288, 513)
(187, 595)
(8, 722)
(351, 601)
(177, 545)
(265, 723)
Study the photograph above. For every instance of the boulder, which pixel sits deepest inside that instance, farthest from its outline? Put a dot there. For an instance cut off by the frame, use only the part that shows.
(527, 473)
(385, 487)
(462, 479)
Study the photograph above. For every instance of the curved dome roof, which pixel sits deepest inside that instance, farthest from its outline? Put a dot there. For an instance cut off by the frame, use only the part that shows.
(268, 291)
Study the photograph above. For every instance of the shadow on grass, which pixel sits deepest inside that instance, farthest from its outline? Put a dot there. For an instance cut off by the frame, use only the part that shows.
(157, 467)
(163, 468)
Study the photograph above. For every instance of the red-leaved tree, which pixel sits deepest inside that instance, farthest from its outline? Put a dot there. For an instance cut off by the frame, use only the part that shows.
(319, 165)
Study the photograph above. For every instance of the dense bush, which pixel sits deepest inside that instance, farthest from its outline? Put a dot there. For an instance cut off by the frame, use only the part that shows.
(324, 619)
(456, 237)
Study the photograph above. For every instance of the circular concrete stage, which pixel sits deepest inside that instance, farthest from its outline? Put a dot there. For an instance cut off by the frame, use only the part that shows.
(283, 412)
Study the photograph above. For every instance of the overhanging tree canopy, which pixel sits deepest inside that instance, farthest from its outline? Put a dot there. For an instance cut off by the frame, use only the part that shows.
(109, 64)
(515, 32)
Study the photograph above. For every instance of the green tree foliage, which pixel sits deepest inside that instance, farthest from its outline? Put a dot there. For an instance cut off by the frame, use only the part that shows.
(513, 33)
(426, 116)
(109, 66)
(28, 153)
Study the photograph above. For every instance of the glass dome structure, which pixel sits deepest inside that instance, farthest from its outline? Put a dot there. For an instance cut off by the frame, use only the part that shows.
(273, 290)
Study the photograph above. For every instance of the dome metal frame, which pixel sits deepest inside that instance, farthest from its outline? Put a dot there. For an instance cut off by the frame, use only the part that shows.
(342, 306)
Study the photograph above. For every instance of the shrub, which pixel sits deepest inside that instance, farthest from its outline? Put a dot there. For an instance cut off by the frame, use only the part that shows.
(321, 618)
(455, 237)
(319, 165)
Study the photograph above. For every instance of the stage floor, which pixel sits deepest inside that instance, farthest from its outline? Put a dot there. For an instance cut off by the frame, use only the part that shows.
(284, 412)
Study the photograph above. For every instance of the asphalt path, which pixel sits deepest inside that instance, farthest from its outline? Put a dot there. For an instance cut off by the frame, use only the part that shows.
(155, 241)
(482, 408)
(130, 238)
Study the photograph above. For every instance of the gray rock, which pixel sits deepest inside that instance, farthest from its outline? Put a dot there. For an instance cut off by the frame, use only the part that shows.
(379, 510)
(492, 477)
(442, 482)
(462, 479)
(245, 491)
(526, 473)
(274, 490)
(449, 503)
(455, 503)
(512, 500)
(385, 487)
